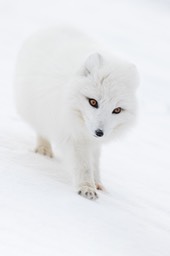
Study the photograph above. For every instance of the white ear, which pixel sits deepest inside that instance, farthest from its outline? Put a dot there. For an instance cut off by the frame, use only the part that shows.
(133, 75)
(92, 64)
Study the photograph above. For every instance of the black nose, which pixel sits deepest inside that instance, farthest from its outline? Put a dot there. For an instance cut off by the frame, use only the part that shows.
(99, 133)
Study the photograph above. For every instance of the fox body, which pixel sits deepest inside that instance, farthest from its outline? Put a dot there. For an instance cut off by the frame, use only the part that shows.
(77, 96)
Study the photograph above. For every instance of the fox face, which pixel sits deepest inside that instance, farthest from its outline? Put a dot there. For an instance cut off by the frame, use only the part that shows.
(106, 96)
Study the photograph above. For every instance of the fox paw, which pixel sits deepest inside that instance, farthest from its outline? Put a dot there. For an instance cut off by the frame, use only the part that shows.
(99, 186)
(88, 192)
(46, 151)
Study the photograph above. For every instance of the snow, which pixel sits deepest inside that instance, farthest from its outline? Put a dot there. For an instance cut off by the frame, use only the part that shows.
(40, 214)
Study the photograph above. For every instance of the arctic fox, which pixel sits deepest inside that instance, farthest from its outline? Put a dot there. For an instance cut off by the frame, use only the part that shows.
(75, 95)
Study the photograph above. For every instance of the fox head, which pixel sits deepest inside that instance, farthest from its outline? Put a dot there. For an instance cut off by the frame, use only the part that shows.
(104, 96)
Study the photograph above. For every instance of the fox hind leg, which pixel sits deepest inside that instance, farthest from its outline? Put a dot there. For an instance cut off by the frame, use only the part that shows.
(43, 147)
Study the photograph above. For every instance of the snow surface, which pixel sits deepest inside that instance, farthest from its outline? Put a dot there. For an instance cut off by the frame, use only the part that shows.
(40, 214)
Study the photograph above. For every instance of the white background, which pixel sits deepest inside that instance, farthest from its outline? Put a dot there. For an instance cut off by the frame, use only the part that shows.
(40, 214)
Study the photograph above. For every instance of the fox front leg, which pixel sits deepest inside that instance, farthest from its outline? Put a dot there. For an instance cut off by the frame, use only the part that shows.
(96, 168)
(83, 170)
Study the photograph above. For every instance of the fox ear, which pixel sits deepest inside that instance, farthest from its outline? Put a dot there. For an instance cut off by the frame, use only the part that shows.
(92, 64)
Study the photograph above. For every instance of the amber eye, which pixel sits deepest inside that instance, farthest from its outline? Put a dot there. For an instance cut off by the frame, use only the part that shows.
(116, 111)
(93, 103)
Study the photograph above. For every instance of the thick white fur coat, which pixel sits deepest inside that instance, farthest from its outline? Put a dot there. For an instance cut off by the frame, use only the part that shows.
(58, 71)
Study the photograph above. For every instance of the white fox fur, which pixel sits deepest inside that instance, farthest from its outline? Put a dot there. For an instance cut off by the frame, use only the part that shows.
(58, 71)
